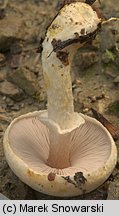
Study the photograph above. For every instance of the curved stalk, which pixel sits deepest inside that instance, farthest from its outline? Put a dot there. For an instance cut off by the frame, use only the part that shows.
(74, 25)
(59, 87)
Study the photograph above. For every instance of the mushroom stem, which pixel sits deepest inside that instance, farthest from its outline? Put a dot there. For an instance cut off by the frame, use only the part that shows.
(75, 24)
(65, 35)
(56, 70)
(58, 82)
(59, 152)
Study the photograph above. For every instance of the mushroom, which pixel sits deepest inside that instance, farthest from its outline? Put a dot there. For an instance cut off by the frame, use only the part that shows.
(58, 151)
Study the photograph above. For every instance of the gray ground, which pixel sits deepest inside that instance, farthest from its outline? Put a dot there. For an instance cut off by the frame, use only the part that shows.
(95, 79)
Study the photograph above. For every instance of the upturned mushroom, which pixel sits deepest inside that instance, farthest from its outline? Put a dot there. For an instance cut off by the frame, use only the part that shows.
(58, 151)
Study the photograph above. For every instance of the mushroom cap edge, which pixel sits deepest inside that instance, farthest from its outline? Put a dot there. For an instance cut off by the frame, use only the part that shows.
(60, 186)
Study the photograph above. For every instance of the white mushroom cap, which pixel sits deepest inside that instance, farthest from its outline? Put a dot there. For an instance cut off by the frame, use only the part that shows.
(92, 156)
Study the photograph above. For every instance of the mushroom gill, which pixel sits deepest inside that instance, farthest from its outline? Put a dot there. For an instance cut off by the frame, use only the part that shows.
(88, 145)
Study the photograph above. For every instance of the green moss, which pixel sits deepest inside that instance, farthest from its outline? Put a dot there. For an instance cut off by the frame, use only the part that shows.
(40, 96)
(108, 56)
(90, 72)
(113, 108)
(36, 96)
(96, 42)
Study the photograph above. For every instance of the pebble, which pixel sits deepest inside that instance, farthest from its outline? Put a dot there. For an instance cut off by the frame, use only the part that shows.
(2, 197)
(2, 59)
(117, 184)
(1, 129)
(10, 90)
(85, 110)
(10, 31)
(9, 102)
(116, 81)
(110, 72)
(22, 105)
(3, 4)
(25, 80)
(15, 107)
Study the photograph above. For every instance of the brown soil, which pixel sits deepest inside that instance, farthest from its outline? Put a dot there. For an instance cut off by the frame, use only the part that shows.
(95, 80)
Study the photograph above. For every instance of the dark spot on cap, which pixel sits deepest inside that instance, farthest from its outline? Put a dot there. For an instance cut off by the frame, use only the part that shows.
(63, 57)
(82, 31)
(61, 66)
(51, 176)
(30, 173)
(71, 19)
(79, 178)
(76, 35)
(54, 26)
(69, 180)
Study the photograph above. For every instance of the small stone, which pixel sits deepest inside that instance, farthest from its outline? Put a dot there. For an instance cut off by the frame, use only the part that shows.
(9, 102)
(117, 184)
(4, 119)
(4, 98)
(87, 59)
(2, 197)
(25, 79)
(1, 128)
(2, 59)
(2, 110)
(16, 48)
(85, 110)
(11, 90)
(3, 4)
(30, 102)
(78, 82)
(2, 13)
(113, 108)
(1, 77)
(110, 72)
(22, 105)
(116, 81)
(10, 32)
(15, 107)
(15, 61)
